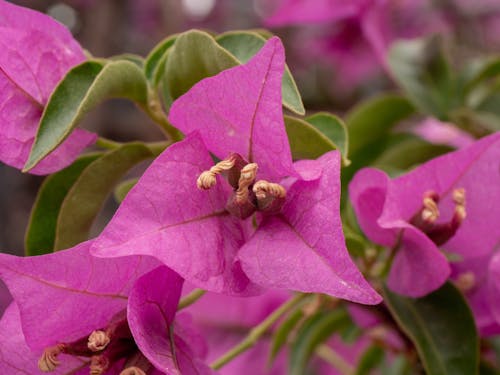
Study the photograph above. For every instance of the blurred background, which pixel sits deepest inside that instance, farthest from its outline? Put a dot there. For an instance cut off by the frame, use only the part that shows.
(335, 49)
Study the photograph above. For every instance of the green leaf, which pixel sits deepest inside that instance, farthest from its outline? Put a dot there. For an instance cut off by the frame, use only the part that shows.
(486, 69)
(409, 152)
(41, 231)
(154, 66)
(123, 188)
(133, 58)
(370, 122)
(334, 129)
(487, 368)
(283, 332)
(370, 360)
(306, 141)
(194, 56)
(87, 195)
(442, 328)
(313, 332)
(243, 45)
(85, 86)
(422, 70)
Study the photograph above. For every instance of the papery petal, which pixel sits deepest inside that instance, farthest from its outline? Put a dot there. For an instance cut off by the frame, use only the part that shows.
(35, 53)
(151, 310)
(16, 358)
(476, 169)
(367, 192)
(304, 248)
(74, 292)
(17, 17)
(418, 267)
(478, 294)
(239, 110)
(165, 215)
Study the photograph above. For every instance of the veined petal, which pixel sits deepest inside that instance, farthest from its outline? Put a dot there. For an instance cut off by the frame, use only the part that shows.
(35, 53)
(239, 110)
(151, 311)
(75, 292)
(367, 192)
(304, 248)
(418, 267)
(166, 216)
(16, 358)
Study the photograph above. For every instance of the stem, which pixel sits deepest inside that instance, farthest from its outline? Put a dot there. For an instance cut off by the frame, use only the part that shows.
(155, 111)
(333, 358)
(259, 330)
(108, 143)
(191, 298)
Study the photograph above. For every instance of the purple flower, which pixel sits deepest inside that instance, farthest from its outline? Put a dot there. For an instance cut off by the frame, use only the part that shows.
(35, 53)
(72, 312)
(450, 203)
(205, 232)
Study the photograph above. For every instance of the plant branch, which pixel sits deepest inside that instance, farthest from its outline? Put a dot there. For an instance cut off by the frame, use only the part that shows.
(258, 331)
(191, 298)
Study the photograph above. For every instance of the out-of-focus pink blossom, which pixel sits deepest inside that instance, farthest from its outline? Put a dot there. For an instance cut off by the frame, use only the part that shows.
(361, 31)
(439, 132)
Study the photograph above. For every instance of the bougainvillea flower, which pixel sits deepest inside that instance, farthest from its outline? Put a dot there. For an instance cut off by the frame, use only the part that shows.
(451, 202)
(35, 53)
(114, 316)
(183, 213)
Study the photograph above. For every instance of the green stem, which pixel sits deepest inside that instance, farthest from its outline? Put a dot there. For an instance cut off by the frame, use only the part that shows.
(333, 358)
(108, 143)
(258, 331)
(191, 298)
(155, 111)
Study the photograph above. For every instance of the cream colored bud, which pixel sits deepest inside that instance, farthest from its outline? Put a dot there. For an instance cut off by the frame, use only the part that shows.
(465, 281)
(263, 188)
(132, 371)
(459, 196)
(48, 362)
(207, 179)
(430, 213)
(247, 177)
(98, 365)
(98, 340)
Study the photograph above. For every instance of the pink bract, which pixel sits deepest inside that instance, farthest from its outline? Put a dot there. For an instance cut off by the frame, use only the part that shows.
(189, 230)
(35, 53)
(386, 209)
(65, 296)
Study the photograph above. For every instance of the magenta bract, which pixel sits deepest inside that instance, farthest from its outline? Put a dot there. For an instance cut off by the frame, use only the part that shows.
(298, 243)
(35, 53)
(450, 203)
(62, 299)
